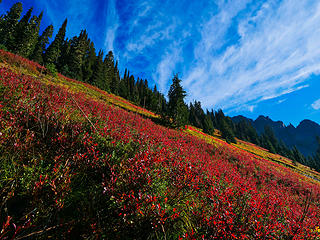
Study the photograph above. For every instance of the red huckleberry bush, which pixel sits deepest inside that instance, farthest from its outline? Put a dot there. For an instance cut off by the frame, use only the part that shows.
(74, 167)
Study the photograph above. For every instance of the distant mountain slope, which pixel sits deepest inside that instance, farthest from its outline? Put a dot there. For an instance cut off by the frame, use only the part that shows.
(303, 136)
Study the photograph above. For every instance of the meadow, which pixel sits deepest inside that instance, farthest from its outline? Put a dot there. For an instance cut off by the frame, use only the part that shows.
(79, 163)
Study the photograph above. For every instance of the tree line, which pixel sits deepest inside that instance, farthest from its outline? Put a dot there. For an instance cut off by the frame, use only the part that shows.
(77, 58)
(230, 131)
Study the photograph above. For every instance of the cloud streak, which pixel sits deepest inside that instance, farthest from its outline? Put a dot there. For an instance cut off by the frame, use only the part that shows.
(316, 105)
(276, 50)
(113, 24)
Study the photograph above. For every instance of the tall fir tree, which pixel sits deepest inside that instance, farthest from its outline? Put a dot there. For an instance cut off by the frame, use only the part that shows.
(109, 69)
(208, 125)
(34, 33)
(97, 78)
(53, 52)
(30, 36)
(9, 23)
(64, 58)
(16, 42)
(78, 49)
(41, 44)
(225, 126)
(123, 85)
(177, 109)
(314, 161)
(115, 81)
(89, 59)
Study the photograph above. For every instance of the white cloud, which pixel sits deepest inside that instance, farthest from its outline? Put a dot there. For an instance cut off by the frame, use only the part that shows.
(251, 108)
(281, 101)
(113, 23)
(151, 35)
(277, 50)
(166, 67)
(316, 105)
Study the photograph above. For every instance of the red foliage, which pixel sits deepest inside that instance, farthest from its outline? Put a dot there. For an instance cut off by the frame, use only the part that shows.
(165, 177)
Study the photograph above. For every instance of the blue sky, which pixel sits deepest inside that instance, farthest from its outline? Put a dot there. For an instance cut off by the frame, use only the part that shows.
(247, 57)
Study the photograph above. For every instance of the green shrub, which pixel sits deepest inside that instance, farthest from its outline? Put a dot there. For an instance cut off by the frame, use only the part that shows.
(3, 47)
(51, 69)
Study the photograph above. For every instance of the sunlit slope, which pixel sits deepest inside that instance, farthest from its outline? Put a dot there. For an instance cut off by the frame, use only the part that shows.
(259, 153)
(73, 165)
(21, 65)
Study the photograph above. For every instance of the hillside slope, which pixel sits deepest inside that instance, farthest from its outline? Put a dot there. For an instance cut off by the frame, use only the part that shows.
(75, 165)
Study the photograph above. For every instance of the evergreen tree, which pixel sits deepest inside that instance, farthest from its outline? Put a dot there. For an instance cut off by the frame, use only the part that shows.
(16, 42)
(208, 125)
(9, 23)
(97, 78)
(78, 46)
(31, 36)
(131, 83)
(124, 85)
(115, 81)
(223, 124)
(297, 156)
(177, 109)
(226, 131)
(109, 72)
(245, 131)
(63, 61)
(153, 99)
(42, 42)
(89, 59)
(269, 140)
(314, 162)
(54, 50)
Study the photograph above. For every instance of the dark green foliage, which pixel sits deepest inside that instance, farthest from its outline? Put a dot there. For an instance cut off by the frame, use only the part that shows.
(42, 42)
(51, 68)
(245, 131)
(78, 47)
(16, 42)
(3, 47)
(225, 125)
(25, 35)
(115, 80)
(88, 62)
(109, 72)
(9, 23)
(297, 156)
(208, 125)
(64, 58)
(196, 114)
(54, 50)
(177, 109)
(314, 161)
(97, 78)
(123, 85)
(31, 36)
(268, 140)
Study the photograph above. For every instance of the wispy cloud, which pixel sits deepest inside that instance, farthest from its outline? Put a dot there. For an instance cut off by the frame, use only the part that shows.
(113, 24)
(316, 105)
(281, 101)
(166, 67)
(275, 50)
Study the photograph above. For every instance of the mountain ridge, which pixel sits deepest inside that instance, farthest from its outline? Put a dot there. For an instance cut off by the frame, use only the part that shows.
(303, 136)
